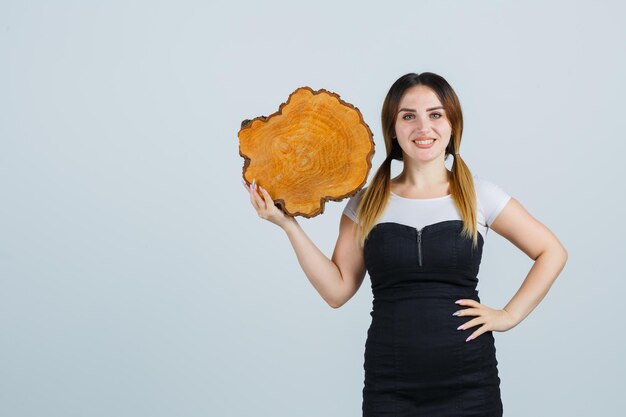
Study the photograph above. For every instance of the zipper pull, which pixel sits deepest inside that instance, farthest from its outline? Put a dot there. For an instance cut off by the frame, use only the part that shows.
(419, 246)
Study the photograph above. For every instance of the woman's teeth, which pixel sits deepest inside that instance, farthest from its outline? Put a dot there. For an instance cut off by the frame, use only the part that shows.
(424, 142)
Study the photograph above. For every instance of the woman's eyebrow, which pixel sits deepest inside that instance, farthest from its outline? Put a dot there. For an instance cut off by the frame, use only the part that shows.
(413, 110)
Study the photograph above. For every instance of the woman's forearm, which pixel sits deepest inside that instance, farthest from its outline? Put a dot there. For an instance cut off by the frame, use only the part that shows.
(537, 283)
(321, 271)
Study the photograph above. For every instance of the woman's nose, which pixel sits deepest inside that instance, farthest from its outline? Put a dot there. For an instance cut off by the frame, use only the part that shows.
(422, 123)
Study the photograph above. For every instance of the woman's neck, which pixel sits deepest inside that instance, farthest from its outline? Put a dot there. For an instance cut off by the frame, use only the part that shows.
(423, 178)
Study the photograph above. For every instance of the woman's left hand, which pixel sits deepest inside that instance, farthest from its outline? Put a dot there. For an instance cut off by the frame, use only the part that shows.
(491, 319)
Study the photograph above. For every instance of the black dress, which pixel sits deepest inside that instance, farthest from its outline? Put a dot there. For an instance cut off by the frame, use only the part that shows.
(416, 362)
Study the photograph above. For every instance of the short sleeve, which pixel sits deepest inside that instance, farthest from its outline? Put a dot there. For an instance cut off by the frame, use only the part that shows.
(352, 205)
(493, 199)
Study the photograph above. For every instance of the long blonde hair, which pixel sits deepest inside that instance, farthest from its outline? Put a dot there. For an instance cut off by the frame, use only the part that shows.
(376, 195)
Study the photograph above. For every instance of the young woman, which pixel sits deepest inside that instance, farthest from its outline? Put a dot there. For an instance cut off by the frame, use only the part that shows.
(430, 349)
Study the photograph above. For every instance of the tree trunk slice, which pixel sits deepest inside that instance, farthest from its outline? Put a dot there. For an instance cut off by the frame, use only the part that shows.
(314, 149)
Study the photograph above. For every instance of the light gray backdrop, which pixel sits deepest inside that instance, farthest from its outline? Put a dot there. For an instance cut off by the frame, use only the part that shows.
(135, 276)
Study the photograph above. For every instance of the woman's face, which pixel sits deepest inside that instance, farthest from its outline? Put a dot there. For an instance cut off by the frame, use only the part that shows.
(421, 117)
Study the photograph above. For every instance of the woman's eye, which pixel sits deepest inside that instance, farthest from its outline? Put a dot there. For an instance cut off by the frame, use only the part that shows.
(411, 116)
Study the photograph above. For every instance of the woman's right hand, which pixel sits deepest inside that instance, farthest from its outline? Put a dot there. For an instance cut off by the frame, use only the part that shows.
(265, 207)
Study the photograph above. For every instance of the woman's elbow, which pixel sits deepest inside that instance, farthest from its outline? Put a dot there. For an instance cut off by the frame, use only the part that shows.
(557, 250)
(560, 253)
(335, 304)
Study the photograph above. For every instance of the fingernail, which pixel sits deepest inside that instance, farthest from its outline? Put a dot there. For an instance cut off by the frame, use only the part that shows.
(254, 183)
(456, 313)
(460, 327)
(468, 339)
(457, 302)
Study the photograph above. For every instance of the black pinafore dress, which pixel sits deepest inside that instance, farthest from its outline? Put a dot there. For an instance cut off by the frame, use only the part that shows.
(416, 362)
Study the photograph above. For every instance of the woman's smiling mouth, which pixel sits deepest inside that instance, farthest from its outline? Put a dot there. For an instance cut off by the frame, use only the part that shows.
(424, 143)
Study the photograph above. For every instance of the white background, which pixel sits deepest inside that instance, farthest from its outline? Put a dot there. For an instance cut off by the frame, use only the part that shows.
(135, 276)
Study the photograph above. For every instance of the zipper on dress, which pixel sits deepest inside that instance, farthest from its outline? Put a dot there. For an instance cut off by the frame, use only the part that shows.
(419, 246)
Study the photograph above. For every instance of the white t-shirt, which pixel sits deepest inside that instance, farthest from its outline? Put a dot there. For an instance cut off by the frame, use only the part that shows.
(420, 212)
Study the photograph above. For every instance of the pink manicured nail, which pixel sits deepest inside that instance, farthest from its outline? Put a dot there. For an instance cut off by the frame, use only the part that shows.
(469, 338)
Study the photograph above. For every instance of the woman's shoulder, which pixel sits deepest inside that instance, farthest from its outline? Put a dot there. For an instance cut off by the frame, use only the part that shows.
(358, 194)
(480, 181)
(352, 204)
(486, 185)
(491, 197)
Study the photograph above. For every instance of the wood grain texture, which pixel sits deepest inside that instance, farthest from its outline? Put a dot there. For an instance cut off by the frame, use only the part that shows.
(314, 149)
